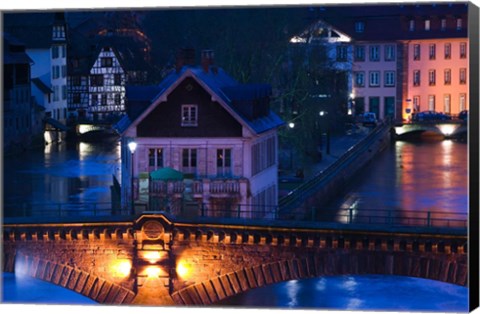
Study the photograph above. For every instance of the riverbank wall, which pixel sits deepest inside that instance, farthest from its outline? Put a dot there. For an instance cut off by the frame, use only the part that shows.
(319, 190)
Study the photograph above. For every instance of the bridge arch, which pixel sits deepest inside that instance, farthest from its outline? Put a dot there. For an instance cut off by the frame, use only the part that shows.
(433, 266)
(72, 278)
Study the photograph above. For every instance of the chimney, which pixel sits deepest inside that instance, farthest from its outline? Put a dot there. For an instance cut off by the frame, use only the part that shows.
(207, 60)
(185, 56)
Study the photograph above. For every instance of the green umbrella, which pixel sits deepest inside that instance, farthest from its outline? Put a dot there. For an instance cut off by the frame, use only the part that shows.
(166, 174)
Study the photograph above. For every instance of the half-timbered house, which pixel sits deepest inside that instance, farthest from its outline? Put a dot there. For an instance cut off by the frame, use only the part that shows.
(217, 135)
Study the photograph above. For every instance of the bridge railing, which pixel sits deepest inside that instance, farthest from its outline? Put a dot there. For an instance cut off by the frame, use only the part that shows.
(61, 210)
(436, 219)
(309, 187)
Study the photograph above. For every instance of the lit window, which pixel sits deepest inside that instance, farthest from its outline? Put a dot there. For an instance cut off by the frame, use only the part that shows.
(224, 162)
(427, 25)
(416, 103)
(189, 115)
(155, 158)
(431, 102)
(446, 103)
(463, 102)
(459, 24)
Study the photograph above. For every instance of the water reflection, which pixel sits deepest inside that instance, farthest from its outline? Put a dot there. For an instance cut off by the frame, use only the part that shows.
(362, 292)
(413, 178)
(62, 173)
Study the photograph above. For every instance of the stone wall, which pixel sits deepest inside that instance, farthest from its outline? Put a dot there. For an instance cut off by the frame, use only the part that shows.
(87, 260)
(157, 261)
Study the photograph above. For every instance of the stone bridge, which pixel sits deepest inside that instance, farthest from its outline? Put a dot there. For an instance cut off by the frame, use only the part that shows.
(448, 129)
(158, 260)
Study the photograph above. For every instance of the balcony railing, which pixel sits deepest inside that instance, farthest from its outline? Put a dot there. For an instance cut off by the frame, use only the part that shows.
(213, 186)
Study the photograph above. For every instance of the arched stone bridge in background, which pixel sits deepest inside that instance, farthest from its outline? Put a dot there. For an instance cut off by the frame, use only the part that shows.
(447, 128)
(158, 260)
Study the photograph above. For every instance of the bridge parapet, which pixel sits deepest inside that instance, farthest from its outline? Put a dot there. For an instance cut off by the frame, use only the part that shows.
(156, 259)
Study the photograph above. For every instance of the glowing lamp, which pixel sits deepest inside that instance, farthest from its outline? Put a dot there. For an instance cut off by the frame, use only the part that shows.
(122, 268)
(153, 271)
(182, 269)
(152, 257)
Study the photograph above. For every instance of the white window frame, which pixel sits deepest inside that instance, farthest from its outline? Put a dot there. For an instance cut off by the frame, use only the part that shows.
(225, 168)
(432, 77)
(448, 51)
(359, 78)
(447, 104)
(432, 51)
(463, 76)
(463, 101)
(459, 24)
(416, 103)
(411, 25)
(431, 102)
(190, 167)
(374, 53)
(443, 24)
(359, 56)
(157, 157)
(390, 52)
(374, 79)
(417, 51)
(447, 73)
(416, 78)
(427, 25)
(189, 115)
(463, 50)
(389, 78)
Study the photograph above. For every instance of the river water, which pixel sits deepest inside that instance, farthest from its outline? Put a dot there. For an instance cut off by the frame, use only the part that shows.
(407, 176)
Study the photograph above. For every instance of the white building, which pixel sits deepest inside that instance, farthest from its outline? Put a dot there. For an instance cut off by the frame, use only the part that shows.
(219, 134)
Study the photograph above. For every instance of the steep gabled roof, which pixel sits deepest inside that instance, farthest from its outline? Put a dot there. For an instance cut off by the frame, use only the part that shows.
(214, 82)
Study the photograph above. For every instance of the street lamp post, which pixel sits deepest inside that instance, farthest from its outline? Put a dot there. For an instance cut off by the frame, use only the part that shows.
(323, 115)
(132, 146)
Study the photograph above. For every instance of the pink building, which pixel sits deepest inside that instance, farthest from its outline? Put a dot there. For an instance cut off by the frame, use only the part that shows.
(437, 76)
(215, 138)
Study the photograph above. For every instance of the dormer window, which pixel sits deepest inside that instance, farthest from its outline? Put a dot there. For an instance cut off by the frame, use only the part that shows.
(427, 25)
(189, 115)
(411, 25)
(359, 27)
(459, 24)
(443, 24)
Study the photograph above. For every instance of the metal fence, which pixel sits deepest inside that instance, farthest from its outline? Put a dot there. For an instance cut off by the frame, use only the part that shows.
(347, 216)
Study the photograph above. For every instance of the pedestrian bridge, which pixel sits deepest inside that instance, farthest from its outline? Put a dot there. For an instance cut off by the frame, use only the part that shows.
(448, 129)
(157, 259)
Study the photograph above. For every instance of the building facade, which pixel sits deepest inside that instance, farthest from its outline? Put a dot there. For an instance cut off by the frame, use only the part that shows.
(45, 40)
(219, 134)
(406, 58)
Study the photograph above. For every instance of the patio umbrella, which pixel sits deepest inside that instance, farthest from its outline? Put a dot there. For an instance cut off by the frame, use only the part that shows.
(166, 174)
